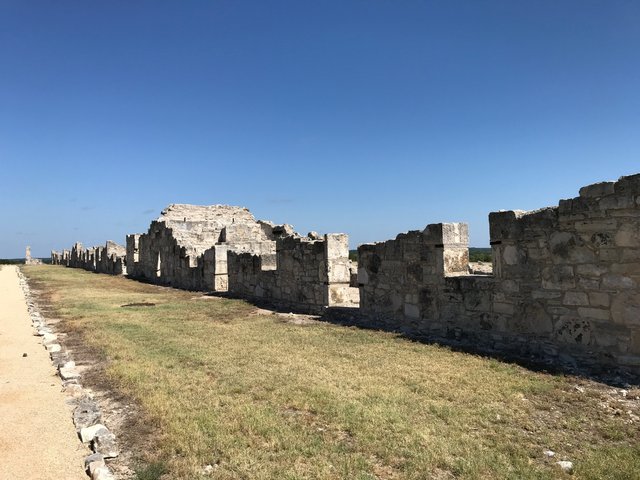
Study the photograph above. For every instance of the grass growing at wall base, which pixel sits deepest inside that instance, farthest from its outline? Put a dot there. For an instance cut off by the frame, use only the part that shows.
(261, 397)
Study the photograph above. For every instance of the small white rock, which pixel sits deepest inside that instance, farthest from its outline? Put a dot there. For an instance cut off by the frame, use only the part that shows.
(105, 443)
(68, 371)
(549, 453)
(566, 466)
(88, 433)
(49, 338)
(54, 348)
(102, 473)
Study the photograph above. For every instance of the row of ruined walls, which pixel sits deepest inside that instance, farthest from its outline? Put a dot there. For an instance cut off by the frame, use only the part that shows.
(566, 280)
(109, 259)
(565, 283)
(203, 247)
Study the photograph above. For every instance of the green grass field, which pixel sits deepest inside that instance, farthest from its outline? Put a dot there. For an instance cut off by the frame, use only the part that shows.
(261, 397)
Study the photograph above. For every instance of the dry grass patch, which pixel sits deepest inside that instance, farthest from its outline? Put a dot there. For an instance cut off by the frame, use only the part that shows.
(259, 398)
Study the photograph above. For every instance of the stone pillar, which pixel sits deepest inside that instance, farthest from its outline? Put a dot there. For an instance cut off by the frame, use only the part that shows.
(337, 268)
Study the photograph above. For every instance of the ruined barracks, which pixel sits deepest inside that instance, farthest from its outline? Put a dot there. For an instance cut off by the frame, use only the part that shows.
(565, 281)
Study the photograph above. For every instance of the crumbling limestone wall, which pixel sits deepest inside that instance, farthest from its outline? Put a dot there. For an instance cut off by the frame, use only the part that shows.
(572, 273)
(109, 259)
(60, 258)
(305, 274)
(566, 280)
(186, 247)
(29, 260)
(402, 281)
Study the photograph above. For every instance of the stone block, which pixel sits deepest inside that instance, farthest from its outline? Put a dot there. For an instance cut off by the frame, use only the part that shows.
(594, 313)
(625, 308)
(573, 331)
(411, 311)
(628, 235)
(503, 308)
(617, 282)
(597, 190)
(591, 270)
(511, 255)
(599, 299)
(596, 225)
(575, 298)
(545, 294)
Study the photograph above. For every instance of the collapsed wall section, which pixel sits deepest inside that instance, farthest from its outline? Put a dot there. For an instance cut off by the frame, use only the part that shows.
(305, 273)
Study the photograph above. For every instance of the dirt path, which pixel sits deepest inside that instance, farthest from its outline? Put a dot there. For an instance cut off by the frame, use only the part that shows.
(37, 437)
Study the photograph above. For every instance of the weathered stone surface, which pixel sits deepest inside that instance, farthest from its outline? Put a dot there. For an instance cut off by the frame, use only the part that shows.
(304, 274)
(68, 371)
(54, 348)
(104, 443)
(565, 466)
(87, 433)
(186, 247)
(86, 413)
(102, 472)
(95, 459)
(576, 298)
(108, 259)
(28, 260)
(565, 279)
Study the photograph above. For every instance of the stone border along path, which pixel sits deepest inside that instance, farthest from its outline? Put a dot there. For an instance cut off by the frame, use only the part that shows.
(87, 416)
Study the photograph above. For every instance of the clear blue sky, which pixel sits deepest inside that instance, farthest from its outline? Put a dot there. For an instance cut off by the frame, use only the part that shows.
(368, 117)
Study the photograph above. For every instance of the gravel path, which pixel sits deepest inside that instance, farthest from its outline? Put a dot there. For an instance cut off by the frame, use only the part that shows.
(37, 437)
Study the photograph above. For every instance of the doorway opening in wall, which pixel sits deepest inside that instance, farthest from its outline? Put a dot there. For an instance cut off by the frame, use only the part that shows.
(159, 266)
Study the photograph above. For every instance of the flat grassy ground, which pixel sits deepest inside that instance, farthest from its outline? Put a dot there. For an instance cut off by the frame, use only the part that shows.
(263, 397)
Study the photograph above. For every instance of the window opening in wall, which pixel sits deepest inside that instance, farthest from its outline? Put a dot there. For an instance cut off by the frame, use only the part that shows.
(136, 253)
(481, 260)
(159, 266)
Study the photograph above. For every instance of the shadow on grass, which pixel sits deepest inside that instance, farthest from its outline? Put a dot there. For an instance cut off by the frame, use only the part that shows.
(531, 358)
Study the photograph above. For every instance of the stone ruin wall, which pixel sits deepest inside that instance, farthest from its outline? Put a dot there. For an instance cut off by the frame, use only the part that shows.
(566, 280)
(187, 246)
(565, 283)
(305, 273)
(29, 260)
(108, 259)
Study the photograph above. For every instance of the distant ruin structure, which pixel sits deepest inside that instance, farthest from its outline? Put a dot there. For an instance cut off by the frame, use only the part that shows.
(565, 281)
(109, 259)
(29, 260)
(186, 247)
